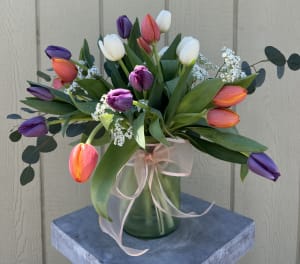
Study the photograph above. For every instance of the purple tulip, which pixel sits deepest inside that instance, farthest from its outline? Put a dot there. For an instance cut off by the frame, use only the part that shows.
(141, 78)
(263, 165)
(119, 99)
(58, 52)
(41, 93)
(124, 26)
(33, 127)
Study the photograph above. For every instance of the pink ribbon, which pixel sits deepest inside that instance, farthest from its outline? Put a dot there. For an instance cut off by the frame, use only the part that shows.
(174, 161)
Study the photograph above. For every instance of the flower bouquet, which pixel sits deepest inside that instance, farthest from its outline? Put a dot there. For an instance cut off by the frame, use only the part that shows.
(147, 110)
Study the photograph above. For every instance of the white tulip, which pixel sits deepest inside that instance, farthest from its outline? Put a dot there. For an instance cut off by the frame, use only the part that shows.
(112, 47)
(188, 50)
(163, 20)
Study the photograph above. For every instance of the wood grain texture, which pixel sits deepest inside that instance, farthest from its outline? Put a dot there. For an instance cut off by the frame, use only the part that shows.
(271, 116)
(20, 227)
(64, 23)
(210, 179)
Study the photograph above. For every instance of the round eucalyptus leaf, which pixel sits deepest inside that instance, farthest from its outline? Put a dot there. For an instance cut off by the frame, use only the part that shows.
(275, 56)
(27, 175)
(15, 136)
(54, 129)
(260, 78)
(13, 116)
(46, 143)
(280, 71)
(246, 68)
(28, 110)
(294, 62)
(31, 154)
(74, 130)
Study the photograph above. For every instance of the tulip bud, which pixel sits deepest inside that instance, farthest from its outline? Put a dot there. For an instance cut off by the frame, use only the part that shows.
(141, 78)
(34, 127)
(57, 83)
(222, 118)
(263, 165)
(163, 20)
(124, 26)
(58, 52)
(112, 47)
(230, 95)
(82, 161)
(119, 99)
(65, 69)
(41, 93)
(144, 45)
(188, 50)
(149, 29)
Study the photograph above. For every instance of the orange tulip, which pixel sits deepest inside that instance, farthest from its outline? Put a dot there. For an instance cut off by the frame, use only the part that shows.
(149, 29)
(82, 162)
(144, 45)
(230, 95)
(222, 118)
(65, 69)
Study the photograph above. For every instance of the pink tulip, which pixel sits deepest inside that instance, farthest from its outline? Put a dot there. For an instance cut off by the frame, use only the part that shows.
(149, 29)
(222, 118)
(144, 45)
(82, 162)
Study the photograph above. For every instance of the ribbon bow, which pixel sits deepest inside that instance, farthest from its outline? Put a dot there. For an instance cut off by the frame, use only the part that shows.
(173, 161)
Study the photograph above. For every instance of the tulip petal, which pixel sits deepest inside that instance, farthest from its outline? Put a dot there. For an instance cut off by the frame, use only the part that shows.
(222, 118)
(65, 69)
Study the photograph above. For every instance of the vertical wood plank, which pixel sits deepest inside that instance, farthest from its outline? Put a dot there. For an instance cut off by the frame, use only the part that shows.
(64, 23)
(271, 116)
(20, 228)
(210, 179)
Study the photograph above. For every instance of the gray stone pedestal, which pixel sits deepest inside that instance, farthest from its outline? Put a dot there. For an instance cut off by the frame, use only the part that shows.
(220, 236)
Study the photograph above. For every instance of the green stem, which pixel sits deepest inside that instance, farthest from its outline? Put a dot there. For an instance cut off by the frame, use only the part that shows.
(93, 133)
(157, 60)
(123, 66)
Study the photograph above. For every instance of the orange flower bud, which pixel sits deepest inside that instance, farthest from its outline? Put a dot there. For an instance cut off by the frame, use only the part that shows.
(149, 29)
(144, 45)
(230, 95)
(222, 118)
(65, 69)
(82, 162)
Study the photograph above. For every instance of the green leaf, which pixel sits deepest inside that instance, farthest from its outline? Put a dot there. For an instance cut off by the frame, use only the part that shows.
(27, 175)
(13, 116)
(198, 98)
(75, 129)
(170, 53)
(179, 91)
(46, 144)
(138, 130)
(55, 128)
(244, 171)
(231, 141)
(94, 88)
(133, 58)
(214, 149)
(185, 119)
(86, 107)
(157, 133)
(87, 55)
(15, 136)
(112, 70)
(275, 56)
(31, 154)
(245, 82)
(44, 76)
(134, 35)
(28, 110)
(50, 107)
(106, 119)
(294, 62)
(105, 174)
(169, 69)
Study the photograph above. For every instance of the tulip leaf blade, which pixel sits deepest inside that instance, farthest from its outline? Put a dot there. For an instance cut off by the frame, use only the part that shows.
(243, 171)
(214, 150)
(185, 119)
(95, 88)
(133, 58)
(246, 82)
(169, 69)
(134, 35)
(104, 176)
(15, 136)
(46, 144)
(31, 154)
(27, 175)
(138, 130)
(51, 107)
(170, 53)
(197, 99)
(86, 107)
(157, 133)
(44, 76)
(86, 55)
(231, 141)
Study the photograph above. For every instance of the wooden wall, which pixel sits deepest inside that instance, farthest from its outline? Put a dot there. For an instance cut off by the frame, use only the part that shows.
(271, 115)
